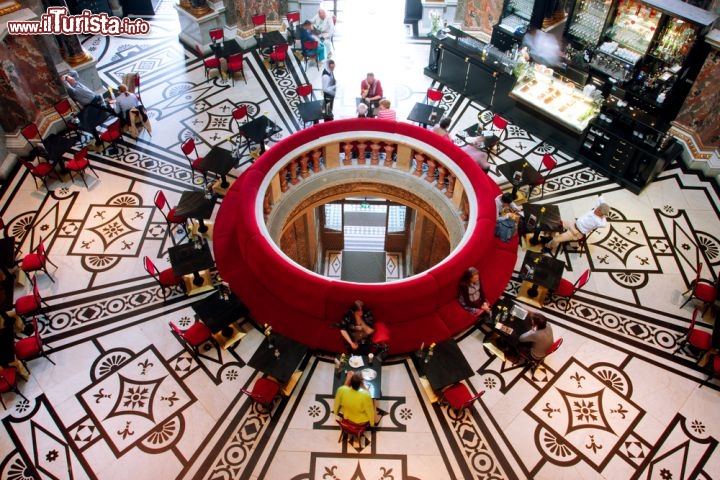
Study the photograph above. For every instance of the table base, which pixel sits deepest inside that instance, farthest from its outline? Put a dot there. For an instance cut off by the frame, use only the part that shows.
(431, 395)
(192, 289)
(219, 189)
(235, 336)
(288, 388)
(194, 225)
(538, 300)
(528, 245)
(520, 197)
(495, 350)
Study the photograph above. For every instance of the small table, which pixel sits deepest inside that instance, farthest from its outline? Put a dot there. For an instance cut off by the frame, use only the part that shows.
(259, 129)
(282, 367)
(194, 204)
(56, 146)
(519, 172)
(219, 161)
(446, 366)
(221, 314)
(425, 114)
(270, 39)
(226, 48)
(544, 221)
(188, 259)
(311, 111)
(371, 372)
(539, 270)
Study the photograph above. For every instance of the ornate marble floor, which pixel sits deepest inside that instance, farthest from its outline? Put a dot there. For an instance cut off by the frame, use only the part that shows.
(124, 399)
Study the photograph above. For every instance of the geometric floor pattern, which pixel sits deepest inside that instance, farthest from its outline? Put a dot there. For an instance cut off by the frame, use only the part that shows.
(125, 400)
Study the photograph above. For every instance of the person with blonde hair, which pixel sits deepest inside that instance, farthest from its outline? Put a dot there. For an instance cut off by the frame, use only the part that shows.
(131, 110)
(385, 112)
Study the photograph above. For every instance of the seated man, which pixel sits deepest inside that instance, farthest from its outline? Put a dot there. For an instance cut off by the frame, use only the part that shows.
(357, 328)
(79, 92)
(582, 226)
(324, 28)
(537, 342)
(371, 92)
(353, 402)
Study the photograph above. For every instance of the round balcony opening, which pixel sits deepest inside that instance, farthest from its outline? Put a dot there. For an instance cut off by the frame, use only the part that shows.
(365, 240)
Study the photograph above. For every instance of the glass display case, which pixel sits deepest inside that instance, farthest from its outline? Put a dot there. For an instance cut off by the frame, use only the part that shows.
(587, 21)
(560, 100)
(674, 42)
(634, 27)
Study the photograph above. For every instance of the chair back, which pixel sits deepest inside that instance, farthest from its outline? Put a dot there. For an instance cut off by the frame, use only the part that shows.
(235, 61)
(304, 90)
(199, 51)
(160, 201)
(41, 253)
(177, 330)
(150, 268)
(434, 95)
(293, 17)
(698, 271)
(282, 48)
(36, 292)
(310, 47)
(584, 278)
(548, 162)
(499, 122)
(29, 166)
(693, 321)
(38, 340)
(239, 113)
(6, 384)
(259, 20)
(217, 35)
(31, 132)
(352, 428)
(63, 107)
(188, 147)
(471, 400)
(554, 346)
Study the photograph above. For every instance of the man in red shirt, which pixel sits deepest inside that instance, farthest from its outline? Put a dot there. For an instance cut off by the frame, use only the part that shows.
(371, 92)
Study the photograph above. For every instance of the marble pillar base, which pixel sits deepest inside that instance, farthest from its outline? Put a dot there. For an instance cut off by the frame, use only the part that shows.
(432, 7)
(195, 26)
(7, 163)
(695, 156)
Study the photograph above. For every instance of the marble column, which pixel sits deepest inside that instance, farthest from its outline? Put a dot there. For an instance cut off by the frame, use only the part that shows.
(478, 15)
(70, 48)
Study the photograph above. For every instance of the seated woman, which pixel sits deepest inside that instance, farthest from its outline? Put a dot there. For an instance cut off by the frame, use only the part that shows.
(471, 294)
(385, 112)
(357, 328)
(475, 149)
(353, 402)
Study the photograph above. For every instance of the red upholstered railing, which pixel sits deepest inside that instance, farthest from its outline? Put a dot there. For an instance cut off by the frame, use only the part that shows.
(304, 305)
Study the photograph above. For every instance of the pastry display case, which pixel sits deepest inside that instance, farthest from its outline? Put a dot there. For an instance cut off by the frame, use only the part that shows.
(633, 29)
(560, 100)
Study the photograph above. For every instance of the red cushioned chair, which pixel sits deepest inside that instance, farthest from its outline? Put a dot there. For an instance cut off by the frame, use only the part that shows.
(31, 134)
(352, 430)
(67, 113)
(310, 52)
(79, 164)
(111, 135)
(279, 55)
(381, 337)
(8, 383)
(714, 370)
(190, 150)
(263, 392)
(433, 95)
(704, 290)
(499, 124)
(235, 64)
(30, 304)
(196, 335)
(217, 35)
(42, 170)
(567, 289)
(548, 164)
(36, 261)
(304, 91)
(210, 63)
(170, 217)
(532, 363)
(259, 21)
(165, 278)
(459, 397)
(30, 348)
(292, 18)
(698, 339)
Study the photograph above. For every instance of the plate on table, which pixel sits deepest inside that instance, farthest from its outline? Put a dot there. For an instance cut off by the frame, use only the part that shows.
(355, 361)
(369, 374)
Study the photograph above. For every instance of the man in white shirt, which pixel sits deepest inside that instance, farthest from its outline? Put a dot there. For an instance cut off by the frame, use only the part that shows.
(329, 88)
(324, 28)
(582, 226)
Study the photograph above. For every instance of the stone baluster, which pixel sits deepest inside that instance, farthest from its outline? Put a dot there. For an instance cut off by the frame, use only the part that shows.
(347, 148)
(293, 172)
(361, 152)
(304, 165)
(316, 154)
(441, 177)
(375, 155)
(388, 155)
(419, 160)
(450, 186)
(283, 179)
(464, 214)
(431, 170)
(266, 204)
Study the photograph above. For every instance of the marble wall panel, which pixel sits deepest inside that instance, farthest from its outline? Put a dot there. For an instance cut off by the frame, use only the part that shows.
(478, 14)
(700, 113)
